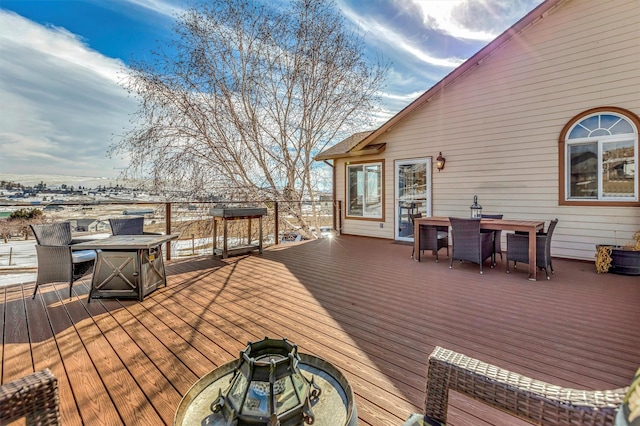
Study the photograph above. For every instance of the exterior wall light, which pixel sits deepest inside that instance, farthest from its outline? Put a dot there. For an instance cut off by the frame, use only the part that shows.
(440, 162)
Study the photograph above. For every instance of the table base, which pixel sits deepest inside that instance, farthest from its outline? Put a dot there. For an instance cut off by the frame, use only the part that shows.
(127, 273)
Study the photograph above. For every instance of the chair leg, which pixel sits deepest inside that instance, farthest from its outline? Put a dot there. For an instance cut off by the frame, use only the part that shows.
(35, 290)
(71, 281)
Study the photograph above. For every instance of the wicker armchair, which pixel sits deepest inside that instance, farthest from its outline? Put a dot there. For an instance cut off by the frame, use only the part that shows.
(528, 399)
(431, 237)
(57, 262)
(497, 236)
(518, 249)
(469, 243)
(132, 225)
(34, 397)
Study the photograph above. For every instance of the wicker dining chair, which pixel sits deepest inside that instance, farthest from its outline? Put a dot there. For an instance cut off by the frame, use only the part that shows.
(34, 397)
(132, 225)
(431, 238)
(531, 400)
(57, 261)
(518, 249)
(468, 243)
(497, 236)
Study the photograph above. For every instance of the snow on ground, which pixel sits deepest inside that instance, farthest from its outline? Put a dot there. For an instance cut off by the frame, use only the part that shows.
(18, 262)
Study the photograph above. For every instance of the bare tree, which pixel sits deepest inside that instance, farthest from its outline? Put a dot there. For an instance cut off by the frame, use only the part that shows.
(245, 95)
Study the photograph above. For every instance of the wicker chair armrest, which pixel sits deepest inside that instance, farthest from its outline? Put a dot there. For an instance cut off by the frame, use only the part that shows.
(528, 399)
(34, 396)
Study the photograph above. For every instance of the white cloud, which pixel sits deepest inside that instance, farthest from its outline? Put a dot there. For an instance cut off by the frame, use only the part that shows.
(388, 36)
(443, 15)
(481, 20)
(60, 102)
(158, 6)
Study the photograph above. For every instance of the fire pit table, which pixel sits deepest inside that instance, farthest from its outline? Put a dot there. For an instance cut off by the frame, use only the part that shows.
(270, 384)
(127, 265)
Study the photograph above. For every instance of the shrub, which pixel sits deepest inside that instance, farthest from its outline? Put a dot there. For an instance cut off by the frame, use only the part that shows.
(26, 214)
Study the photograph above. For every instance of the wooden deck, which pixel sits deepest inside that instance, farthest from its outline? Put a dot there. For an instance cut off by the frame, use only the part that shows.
(361, 303)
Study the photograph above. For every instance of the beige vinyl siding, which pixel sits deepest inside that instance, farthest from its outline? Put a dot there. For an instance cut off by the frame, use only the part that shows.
(498, 125)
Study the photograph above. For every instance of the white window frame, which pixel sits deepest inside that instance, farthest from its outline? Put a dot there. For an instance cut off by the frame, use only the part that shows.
(364, 187)
(600, 141)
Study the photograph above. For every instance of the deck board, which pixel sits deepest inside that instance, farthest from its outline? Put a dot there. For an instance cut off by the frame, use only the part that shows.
(158, 389)
(361, 303)
(46, 355)
(89, 391)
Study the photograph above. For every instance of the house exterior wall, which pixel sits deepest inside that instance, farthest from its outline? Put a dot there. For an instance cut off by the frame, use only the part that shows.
(498, 126)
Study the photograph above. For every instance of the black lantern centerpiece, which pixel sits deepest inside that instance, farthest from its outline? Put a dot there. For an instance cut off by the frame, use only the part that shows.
(476, 209)
(270, 384)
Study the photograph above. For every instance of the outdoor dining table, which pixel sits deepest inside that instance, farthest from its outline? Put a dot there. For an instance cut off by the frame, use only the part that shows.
(530, 226)
(127, 265)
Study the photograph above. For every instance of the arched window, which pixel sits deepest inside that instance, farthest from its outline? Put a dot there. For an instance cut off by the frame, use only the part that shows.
(600, 152)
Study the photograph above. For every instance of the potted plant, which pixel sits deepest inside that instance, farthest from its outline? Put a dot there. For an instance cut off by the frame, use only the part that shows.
(624, 260)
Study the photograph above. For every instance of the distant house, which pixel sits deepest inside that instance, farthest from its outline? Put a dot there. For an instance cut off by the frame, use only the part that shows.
(541, 123)
(90, 225)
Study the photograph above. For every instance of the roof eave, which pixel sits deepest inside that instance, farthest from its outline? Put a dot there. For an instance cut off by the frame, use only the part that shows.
(368, 150)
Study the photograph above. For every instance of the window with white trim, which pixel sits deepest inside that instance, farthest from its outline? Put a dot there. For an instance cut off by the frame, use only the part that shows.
(364, 190)
(601, 154)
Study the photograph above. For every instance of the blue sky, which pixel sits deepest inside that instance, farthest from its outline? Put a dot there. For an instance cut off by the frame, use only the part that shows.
(60, 62)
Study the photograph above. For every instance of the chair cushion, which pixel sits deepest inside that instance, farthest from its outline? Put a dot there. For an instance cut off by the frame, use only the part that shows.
(83, 256)
(629, 413)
